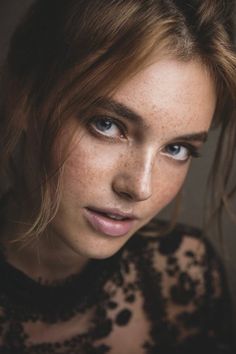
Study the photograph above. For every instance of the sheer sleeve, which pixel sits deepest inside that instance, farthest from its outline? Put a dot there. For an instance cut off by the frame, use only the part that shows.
(193, 299)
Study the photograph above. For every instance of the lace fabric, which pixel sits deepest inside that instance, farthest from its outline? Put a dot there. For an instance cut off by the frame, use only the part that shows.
(156, 295)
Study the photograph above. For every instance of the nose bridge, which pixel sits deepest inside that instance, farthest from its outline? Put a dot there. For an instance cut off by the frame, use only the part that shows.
(143, 171)
(135, 177)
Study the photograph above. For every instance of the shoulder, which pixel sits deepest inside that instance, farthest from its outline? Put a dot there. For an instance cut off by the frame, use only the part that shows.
(180, 241)
(182, 256)
(182, 281)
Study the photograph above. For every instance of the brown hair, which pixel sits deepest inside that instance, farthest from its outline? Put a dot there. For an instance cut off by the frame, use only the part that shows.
(67, 54)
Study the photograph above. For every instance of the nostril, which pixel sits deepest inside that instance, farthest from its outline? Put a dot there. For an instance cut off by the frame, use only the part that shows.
(127, 195)
(132, 187)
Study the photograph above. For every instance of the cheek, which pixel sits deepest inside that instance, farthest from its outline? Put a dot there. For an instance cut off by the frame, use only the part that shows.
(167, 185)
(90, 167)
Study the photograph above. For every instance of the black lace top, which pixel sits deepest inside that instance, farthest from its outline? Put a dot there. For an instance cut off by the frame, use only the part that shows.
(161, 294)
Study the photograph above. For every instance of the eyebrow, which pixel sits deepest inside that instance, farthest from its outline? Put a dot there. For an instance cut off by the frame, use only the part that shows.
(123, 111)
(201, 137)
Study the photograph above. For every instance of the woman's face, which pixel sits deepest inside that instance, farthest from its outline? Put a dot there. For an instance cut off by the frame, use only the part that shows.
(131, 158)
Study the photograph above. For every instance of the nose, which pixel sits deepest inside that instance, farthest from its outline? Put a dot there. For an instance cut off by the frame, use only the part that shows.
(133, 180)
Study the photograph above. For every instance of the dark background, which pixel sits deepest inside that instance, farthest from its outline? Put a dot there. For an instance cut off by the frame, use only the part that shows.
(195, 189)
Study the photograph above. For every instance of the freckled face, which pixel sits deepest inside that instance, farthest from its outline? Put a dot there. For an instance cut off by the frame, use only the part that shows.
(132, 155)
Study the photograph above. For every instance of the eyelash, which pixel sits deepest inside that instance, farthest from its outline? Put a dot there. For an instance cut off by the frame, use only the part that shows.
(113, 121)
(192, 151)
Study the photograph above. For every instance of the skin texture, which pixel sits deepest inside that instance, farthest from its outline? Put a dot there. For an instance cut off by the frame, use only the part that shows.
(132, 171)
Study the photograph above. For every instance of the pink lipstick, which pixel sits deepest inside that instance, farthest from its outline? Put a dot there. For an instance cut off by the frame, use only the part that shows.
(109, 221)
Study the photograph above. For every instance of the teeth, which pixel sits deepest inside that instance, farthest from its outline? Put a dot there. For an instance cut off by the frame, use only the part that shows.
(116, 217)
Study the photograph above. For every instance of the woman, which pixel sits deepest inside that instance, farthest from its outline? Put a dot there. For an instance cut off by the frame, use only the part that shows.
(104, 104)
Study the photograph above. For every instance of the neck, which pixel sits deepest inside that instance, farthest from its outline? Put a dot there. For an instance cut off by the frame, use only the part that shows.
(47, 258)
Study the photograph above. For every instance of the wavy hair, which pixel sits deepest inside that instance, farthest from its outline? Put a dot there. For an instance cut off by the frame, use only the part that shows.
(66, 55)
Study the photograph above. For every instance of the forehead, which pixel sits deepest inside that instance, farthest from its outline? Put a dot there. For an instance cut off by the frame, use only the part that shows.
(171, 93)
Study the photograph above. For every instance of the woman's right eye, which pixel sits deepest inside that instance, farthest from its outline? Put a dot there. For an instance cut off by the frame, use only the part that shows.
(107, 127)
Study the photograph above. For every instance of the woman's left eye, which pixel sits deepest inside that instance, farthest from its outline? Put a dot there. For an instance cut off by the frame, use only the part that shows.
(107, 127)
(181, 152)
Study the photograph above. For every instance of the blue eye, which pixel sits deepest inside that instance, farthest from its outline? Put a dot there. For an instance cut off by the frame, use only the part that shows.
(103, 124)
(107, 127)
(181, 152)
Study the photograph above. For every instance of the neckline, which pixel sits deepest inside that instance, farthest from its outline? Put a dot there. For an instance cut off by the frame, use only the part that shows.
(78, 289)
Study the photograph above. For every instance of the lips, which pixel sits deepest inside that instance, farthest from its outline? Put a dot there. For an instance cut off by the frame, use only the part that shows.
(109, 221)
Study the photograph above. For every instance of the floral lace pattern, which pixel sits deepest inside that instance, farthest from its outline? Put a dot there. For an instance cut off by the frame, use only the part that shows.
(156, 295)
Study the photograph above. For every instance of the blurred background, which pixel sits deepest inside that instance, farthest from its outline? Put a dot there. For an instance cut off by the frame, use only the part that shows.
(192, 206)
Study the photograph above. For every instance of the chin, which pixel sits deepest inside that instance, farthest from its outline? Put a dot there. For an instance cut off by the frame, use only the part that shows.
(99, 253)
(100, 249)
(91, 244)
